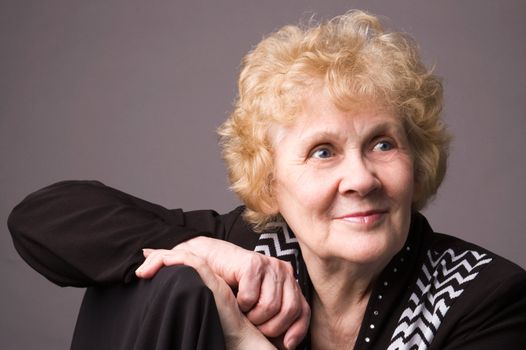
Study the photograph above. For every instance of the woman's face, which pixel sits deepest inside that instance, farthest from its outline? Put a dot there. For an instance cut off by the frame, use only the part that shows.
(343, 181)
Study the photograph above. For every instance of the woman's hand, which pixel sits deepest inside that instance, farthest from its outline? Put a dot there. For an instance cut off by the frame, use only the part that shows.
(238, 331)
(268, 294)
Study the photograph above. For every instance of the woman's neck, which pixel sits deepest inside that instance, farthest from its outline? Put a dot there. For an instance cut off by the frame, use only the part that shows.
(340, 296)
(338, 283)
(336, 330)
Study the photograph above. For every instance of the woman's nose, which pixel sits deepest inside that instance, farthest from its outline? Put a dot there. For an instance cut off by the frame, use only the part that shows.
(358, 176)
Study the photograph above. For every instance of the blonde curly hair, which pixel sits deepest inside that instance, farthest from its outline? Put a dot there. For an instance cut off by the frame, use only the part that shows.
(360, 63)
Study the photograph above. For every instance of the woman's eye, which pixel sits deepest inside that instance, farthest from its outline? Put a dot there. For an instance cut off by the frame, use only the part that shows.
(322, 153)
(383, 146)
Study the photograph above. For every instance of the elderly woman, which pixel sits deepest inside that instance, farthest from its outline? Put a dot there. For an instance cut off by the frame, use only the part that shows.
(334, 144)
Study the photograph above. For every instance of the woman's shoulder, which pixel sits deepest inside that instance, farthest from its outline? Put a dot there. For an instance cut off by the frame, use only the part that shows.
(456, 254)
(238, 230)
(462, 295)
(463, 252)
(485, 294)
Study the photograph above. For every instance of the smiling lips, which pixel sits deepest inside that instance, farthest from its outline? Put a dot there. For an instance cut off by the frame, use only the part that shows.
(366, 217)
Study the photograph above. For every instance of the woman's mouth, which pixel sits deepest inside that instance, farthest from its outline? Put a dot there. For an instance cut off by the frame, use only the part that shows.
(366, 217)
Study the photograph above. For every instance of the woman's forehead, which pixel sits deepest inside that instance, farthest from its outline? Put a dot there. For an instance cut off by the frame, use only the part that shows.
(319, 106)
(319, 125)
(319, 114)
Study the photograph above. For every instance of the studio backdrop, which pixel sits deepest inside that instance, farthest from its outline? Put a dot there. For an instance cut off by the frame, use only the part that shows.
(130, 93)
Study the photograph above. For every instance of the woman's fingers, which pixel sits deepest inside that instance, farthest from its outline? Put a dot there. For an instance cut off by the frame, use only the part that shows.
(250, 277)
(239, 332)
(289, 310)
(152, 264)
(267, 291)
(291, 323)
(157, 258)
(270, 298)
(299, 328)
(281, 308)
(220, 289)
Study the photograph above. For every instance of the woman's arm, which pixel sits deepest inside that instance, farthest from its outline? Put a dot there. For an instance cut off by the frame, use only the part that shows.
(81, 233)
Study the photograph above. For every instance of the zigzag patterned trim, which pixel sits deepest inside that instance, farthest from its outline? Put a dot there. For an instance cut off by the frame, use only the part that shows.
(440, 282)
(280, 244)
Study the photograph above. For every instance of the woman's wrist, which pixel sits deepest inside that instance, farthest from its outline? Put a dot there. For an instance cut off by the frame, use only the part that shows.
(250, 338)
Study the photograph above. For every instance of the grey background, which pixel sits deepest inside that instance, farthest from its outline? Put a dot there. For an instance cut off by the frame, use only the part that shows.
(130, 92)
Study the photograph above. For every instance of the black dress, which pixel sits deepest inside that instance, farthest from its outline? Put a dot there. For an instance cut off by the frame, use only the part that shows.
(438, 292)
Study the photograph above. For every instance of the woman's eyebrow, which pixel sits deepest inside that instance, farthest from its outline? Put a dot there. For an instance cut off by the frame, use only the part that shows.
(322, 136)
(326, 135)
(387, 126)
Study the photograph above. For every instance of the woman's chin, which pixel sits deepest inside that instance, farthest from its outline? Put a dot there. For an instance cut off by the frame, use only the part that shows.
(364, 249)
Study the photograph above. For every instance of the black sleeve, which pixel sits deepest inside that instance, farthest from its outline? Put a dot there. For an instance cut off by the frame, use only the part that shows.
(173, 310)
(81, 233)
